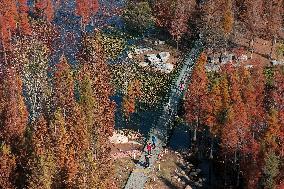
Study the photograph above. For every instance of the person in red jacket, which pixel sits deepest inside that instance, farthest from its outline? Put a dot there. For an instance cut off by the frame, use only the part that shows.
(149, 148)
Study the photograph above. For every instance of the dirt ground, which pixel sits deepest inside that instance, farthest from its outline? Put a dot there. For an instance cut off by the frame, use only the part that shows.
(262, 49)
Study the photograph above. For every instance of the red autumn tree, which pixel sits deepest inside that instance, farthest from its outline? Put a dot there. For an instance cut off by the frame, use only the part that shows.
(179, 21)
(195, 101)
(23, 17)
(8, 24)
(214, 108)
(83, 10)
(133, 92)
(252, 17)
(164, 11)
(103, 112)
(64, 87)
(45, 9)
(236, 130)
(14, 115)
(94, 6)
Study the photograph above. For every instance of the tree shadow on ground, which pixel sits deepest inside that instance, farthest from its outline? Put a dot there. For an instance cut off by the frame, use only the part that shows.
(168, 183)
(136, 161)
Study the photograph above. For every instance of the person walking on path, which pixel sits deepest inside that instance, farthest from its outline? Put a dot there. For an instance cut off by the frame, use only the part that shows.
(147, 161)
(149, 148)
(154, 141)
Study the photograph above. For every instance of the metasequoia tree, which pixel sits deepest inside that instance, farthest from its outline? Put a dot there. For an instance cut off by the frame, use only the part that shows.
(274, 21)
(252, 18)
(179, 21)
(214, 109)
(7, 167)
(45, 9)
(64, 87)
(14, 114)
(164, 11)
(195, 101)
(228, 19)
(211, 24)
(138, 16)
(42, 162)
(133, 93)
(23, 17)
(86, 9)
(103, 109)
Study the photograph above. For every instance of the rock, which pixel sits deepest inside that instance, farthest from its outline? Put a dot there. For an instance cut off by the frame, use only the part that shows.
(143, 64)
(182, 172)
(117, 138)
(161, 42)
(193, 174)
(175, 177)
(243, 57)
(152, 58)
(187, 178)
(189, 165)
(198, 170)
(183, 183)
(130, 55)
(162, 67)
(188, 187)
(164, 56)
(248, 66)
(275, 62)
(178, 179)
(212, 67)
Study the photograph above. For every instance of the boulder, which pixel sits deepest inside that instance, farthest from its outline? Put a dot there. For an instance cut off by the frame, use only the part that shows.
(117, 138)
(130, 55)
(193, 174)
(243, 57)
(198, 170)
(248, 66)
(161, 42)
(275, 62)
(143, 64)
(152, 58)
(188, 187)
(164, 56)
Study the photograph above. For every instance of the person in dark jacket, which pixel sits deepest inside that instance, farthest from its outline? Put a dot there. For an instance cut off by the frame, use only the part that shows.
(147, 161)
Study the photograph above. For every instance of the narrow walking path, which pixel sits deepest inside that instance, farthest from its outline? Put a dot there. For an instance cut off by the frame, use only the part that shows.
(139, 175)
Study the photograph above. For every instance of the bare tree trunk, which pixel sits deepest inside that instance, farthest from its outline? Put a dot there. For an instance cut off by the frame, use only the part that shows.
(177, 45)
(225, 171)
(195, 131)
(251, 44)
(4, 50)
(211, 148)
(273, 42)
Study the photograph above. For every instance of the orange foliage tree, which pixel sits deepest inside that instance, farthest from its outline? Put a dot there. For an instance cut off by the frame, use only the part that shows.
(196, 102)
